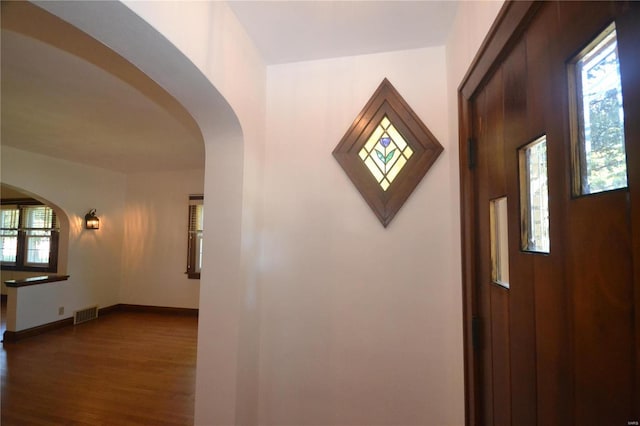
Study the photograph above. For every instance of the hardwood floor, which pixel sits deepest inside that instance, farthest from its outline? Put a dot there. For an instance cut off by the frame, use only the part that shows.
(125, 368)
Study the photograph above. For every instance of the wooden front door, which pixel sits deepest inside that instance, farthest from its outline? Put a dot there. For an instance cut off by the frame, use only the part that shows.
(552, 328)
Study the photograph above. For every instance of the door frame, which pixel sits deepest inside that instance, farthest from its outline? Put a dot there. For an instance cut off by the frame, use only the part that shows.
(511, 21)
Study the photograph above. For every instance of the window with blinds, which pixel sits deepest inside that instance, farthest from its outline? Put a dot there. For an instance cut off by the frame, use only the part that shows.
(9, 223)
(194, 249)
(28, 237)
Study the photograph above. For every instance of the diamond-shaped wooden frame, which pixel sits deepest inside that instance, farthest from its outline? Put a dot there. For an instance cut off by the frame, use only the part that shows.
(387, 101)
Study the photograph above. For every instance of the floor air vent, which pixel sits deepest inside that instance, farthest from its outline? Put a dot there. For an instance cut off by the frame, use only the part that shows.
(85, 315)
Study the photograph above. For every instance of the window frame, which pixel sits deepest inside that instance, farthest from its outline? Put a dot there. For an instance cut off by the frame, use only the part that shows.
(499, 241)
(579, 177)
(21, 263)
(526, 207)
(194, 238)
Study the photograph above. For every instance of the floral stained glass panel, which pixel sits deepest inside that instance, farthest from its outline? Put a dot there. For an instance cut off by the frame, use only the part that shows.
(385, 153)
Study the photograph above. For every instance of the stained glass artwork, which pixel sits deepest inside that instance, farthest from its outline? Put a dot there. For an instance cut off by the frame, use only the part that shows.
(385, 155)
(386, 152)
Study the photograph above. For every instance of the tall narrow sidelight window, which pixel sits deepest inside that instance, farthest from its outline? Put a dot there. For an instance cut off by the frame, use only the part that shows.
(9, 222)
(499, 242)
(597, 128)
(534, 196)
(196, 228)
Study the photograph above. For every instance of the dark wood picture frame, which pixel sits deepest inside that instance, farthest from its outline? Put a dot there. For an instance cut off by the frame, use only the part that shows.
(386, 101)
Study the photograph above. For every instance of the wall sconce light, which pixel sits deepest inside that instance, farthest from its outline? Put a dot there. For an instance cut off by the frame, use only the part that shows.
(91, 221)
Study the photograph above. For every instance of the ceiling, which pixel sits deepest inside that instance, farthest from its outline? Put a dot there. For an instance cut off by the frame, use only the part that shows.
(293, 31)
(66, 95)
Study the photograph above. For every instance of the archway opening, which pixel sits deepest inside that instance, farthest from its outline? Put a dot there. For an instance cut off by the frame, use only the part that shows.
(27, 216)
(116, 26)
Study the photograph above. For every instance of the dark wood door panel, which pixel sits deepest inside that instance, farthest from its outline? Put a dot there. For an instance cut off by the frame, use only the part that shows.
(599, 266)
(482, 269)
(629, 49)
(545, 115)
(561, 345)
(521, 291)
(493, 141)
(501, 355)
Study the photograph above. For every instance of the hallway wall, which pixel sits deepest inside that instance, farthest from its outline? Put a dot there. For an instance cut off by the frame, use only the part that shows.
(358, 321)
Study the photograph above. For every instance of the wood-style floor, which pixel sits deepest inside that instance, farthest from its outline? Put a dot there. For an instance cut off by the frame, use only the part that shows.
(125, 368)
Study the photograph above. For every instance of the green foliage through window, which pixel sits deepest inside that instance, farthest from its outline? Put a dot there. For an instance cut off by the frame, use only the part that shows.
(600, 116)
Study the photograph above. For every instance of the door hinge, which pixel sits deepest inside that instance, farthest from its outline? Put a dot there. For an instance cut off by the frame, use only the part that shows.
(476, 329)
(471, 153)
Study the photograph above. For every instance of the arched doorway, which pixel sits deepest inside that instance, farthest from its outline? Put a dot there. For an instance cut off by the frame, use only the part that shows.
(221, 310)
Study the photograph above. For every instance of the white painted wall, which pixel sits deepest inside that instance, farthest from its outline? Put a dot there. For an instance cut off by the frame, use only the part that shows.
(93, 255)
(209, 34)
(36, 305)
(229, 308)
(359, 323)
(345, 337)
(154, 248)
(472, 23)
